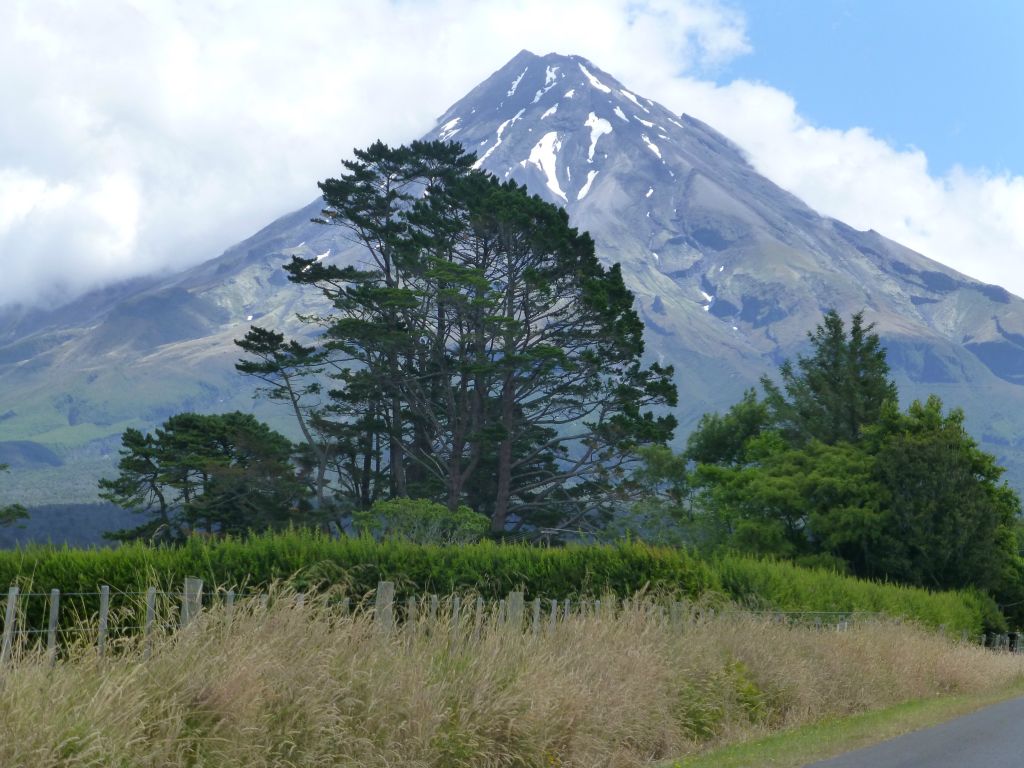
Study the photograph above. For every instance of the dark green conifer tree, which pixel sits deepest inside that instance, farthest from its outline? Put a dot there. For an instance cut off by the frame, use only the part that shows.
(831, 394)
(482, 344)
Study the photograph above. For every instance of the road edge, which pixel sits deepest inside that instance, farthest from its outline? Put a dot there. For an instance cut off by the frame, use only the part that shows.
(805, 744)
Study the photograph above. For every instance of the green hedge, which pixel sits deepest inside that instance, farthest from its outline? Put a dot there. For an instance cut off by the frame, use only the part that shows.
(490, 569)
(783, 586)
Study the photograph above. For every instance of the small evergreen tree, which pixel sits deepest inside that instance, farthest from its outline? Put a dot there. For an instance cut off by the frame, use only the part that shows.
(831, 394)
(222, 474)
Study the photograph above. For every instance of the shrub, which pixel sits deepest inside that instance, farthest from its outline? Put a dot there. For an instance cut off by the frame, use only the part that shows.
(421, 521)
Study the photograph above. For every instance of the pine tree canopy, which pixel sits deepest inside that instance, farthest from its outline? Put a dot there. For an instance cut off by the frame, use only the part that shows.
(482, 354)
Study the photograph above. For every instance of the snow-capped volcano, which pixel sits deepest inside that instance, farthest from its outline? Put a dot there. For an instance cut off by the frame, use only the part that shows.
(729, 270)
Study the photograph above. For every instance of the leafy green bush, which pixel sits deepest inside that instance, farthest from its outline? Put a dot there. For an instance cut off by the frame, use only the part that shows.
(421, 521)
(783, 586)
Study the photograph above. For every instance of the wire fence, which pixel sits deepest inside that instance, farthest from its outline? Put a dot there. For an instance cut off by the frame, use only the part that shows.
(140, 615)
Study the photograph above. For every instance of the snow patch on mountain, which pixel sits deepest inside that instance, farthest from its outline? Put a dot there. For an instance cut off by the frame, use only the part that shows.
(501, 130)
(634, 99)
(570, 93)
(598, 127)
(650, 192)
(620, 114)
(448, 129)
(515, 83)
(708, 299)
(594, 81)
(549, 112)
(651, 145)
(550, 81)
(544, 156)
(591, 175)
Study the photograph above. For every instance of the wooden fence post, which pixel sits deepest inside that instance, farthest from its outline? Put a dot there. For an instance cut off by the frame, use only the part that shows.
(515, 607)
(536, 615)
(191, 600)
(150, 618)
(51, 629)
(554, 616)
(456, 615)
(568, 607)
(10, 616)
(229, 604)
(383, 610)
(101, 635)
(479, 621)
(434, 602)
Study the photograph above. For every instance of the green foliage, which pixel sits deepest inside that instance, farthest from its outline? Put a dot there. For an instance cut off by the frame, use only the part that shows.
(787, 587)
(421, 521)
(831, 471)
(835, 391)
(487, 568)
(11, 513)
(951, 521)
(483, 354)
(723, 439)
(226, 474)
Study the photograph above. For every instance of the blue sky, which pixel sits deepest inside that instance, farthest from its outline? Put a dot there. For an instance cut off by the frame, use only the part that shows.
(945, 76)
(149, 135)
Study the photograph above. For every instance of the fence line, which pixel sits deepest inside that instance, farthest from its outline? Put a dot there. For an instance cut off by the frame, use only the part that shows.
(511, 610)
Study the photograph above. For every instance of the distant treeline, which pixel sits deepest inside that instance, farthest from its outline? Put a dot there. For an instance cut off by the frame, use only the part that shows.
(77, 525)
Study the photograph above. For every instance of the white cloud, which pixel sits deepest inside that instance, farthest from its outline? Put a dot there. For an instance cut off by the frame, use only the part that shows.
(141, 135)
(972, 220)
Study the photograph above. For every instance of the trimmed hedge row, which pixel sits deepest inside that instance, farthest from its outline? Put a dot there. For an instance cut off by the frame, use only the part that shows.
(490, 569)
(783, 586)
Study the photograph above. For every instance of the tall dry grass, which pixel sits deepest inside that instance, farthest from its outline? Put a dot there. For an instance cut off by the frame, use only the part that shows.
(305, 686)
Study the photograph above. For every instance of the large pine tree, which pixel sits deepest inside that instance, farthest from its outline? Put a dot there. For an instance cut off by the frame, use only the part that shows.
(487, 356)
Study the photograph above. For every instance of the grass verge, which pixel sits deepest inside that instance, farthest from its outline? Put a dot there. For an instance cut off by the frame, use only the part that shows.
(810, 743)
(307, 683)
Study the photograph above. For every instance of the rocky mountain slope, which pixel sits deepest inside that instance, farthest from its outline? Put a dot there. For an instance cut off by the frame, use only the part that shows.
(729, 270)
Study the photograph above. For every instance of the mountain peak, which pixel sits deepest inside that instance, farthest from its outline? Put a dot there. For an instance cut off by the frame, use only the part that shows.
(729, 272)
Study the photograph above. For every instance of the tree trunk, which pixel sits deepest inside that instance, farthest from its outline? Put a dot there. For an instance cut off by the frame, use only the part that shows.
(503, 496)
(398, 483)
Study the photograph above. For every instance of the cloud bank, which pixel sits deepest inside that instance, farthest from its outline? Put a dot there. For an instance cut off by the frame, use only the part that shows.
(140, 136)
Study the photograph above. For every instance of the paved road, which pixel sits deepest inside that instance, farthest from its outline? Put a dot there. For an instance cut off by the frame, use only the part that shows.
(989, 738)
